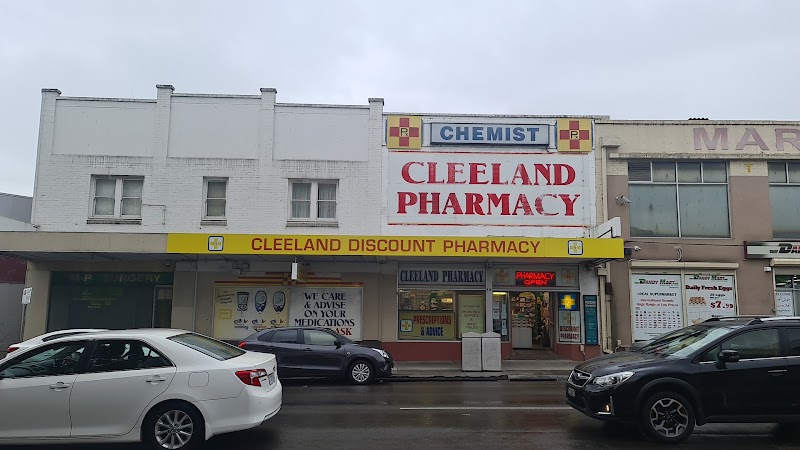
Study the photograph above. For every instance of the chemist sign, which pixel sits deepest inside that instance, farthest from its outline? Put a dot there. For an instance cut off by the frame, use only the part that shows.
(490, 134)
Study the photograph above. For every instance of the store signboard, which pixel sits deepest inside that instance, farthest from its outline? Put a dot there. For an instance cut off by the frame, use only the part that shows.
(390, 246)
(535, 278)
(709, 296)
(490, 133)
(441, 275)
(772, 249)
(590, 319)
(569, 318)
(427, 326)
(784, 303)
(657, 305)
(471, 318)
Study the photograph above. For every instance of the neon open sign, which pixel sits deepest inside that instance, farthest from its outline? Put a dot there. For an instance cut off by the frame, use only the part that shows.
(535, 278)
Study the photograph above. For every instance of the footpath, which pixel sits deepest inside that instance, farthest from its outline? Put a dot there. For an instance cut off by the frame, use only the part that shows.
(511, 370)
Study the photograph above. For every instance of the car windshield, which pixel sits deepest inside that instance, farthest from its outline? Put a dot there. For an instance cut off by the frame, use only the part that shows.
(216, 349)
(683, 342)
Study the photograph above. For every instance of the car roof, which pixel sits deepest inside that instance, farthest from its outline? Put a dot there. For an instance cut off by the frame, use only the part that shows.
(737, 321)
(136, 332)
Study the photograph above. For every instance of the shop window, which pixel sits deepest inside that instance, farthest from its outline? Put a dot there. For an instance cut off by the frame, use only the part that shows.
(787, 294)
(117, 197)
(680, 199)
(313, 200)
(784, 193)
(215, 198)
(440, 315)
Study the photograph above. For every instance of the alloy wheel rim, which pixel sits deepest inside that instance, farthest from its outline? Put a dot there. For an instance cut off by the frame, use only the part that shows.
(174, 429)
(360, 372)
(669, 417)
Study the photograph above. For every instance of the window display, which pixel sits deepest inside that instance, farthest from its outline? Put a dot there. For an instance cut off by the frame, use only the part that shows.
(439, 315)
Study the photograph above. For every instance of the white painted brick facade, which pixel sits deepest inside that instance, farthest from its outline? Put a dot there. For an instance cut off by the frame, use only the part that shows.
(258, 188)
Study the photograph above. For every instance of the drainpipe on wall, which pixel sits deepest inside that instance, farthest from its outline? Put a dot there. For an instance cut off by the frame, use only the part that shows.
(194, 294)
(604, 274)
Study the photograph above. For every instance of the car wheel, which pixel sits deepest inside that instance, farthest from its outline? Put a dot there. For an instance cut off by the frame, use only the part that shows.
(668, 417)
(173, 426)
(360, 372)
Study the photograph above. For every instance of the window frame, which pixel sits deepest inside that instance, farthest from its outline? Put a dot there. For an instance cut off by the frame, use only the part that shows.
(88, 347)
(119, 181)
(677, 184)
(788, 343)
(314, 200)
(297, 337)
(781, 183)
(129, 341)
(701, 357)
(206, 180)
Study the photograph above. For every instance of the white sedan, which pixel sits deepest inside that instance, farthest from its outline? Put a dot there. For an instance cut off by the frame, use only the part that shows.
(33, 342)
(171, 389)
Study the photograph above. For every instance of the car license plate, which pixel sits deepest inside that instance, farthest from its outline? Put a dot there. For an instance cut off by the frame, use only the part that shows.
(571, 392)
(271, 378)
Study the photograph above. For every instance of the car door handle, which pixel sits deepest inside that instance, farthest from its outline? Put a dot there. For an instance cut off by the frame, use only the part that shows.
(777, 372)
(308, 350)
(155, 379)
(60, 386)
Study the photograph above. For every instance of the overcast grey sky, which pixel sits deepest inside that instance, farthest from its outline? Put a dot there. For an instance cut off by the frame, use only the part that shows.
(627, 59)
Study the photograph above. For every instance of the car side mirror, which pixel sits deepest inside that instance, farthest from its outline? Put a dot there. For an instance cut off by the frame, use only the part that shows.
(729, 356)
(338, 343)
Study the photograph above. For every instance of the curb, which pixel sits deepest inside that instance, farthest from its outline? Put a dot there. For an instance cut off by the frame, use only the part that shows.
(412, 379)
(505, 377)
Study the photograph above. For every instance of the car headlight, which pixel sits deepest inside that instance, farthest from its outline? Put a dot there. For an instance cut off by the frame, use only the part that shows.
(382, 353)
(613, 379)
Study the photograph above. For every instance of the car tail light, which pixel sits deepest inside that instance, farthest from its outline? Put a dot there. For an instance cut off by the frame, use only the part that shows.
(11, 349)
(242, 344)
(251, 377)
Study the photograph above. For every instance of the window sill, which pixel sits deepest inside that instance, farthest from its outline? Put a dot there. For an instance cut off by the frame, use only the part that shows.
(311, 223)
(113, 221)
(214, 222)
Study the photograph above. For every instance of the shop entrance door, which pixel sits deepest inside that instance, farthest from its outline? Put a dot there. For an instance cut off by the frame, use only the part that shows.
(532, 320)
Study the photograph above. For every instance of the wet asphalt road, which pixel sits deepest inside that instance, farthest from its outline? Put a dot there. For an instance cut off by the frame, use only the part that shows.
(456, 415)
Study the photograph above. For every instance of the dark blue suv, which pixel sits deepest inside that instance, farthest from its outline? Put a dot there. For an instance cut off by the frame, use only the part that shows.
(320, 352)
(734, 369)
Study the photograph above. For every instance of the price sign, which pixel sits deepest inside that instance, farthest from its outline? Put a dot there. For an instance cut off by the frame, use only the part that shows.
(709, 296)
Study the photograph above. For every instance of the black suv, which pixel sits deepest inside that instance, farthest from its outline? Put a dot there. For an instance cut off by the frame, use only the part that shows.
(733, 369)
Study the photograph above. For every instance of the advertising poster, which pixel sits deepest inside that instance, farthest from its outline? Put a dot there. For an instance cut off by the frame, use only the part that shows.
(240, 311)
(471, 318)
(590, 319)
(657, 305)
(428, 326)
(335, 308)
(709, 296)
(784, 304)
(569, 318)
